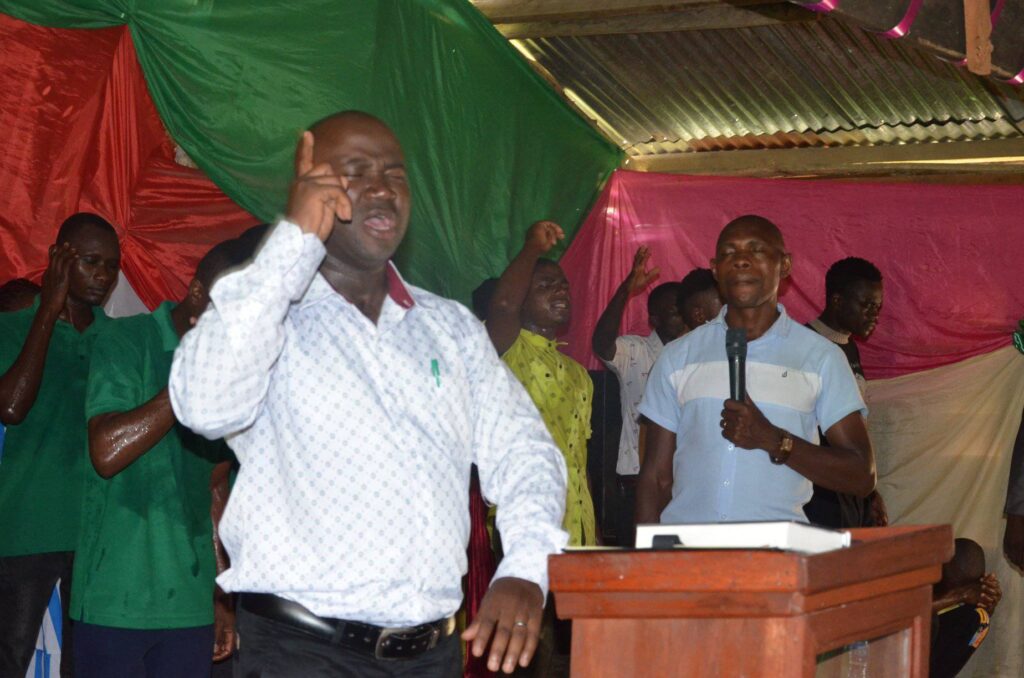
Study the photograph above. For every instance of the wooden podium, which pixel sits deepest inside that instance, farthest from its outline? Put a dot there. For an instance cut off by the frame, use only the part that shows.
(753, 613)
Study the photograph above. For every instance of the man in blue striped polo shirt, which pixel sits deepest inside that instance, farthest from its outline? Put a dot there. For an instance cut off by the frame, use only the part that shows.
(713, 459)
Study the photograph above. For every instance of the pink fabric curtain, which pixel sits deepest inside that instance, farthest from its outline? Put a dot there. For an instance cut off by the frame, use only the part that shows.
(951, 255)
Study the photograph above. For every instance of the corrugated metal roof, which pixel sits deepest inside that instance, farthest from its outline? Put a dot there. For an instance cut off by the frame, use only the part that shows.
(820, 83)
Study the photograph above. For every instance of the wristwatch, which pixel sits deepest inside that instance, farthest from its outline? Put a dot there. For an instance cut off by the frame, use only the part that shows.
(781, 455)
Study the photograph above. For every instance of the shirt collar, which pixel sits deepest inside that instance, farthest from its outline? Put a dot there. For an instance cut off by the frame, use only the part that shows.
(654, 341)
(169, 338)
(540, 340)
(398, 291)
(98, 315)
(779, 328)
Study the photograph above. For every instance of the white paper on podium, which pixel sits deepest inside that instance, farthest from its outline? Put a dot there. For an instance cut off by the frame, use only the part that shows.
(785, 536)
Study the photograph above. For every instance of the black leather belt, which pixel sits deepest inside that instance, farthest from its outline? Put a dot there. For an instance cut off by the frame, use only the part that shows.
(376, 641)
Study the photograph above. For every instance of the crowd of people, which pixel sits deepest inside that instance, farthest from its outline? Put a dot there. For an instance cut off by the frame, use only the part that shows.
(277, 466)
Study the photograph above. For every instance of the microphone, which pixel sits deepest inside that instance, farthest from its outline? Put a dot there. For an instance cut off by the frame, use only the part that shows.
(736, 351)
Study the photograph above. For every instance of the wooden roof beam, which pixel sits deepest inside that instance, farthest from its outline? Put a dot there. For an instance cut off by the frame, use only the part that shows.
(519, 19)
(1002, 155)
(522, 11)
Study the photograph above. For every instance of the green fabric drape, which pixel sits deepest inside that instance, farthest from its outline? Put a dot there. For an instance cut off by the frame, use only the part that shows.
(490, 147)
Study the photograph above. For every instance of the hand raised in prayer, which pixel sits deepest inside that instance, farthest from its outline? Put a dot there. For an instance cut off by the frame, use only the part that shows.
(57, 278)
(744, 425)
(544, 235)
(317, 194)
(640, 277)
(512, 612)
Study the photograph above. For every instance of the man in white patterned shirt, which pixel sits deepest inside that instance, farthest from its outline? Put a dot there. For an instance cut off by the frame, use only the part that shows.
(356, 404)
(672, 309)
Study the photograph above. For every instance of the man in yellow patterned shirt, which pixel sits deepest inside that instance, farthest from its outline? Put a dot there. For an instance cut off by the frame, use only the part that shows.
(530, 304)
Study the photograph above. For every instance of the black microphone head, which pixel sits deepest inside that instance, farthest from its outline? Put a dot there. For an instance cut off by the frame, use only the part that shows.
(736, 343)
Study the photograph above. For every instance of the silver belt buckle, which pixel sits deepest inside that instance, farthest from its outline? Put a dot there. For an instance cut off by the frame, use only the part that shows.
(385, 636)
(382, 641)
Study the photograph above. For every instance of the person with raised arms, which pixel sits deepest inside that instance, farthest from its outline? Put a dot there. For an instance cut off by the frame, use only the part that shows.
(356, 404)
(143, 598)
(44, 362)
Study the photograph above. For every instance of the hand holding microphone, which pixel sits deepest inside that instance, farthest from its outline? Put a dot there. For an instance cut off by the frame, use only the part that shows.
(743, 424)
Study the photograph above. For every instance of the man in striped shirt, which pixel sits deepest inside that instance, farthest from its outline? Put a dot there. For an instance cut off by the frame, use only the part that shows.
(713, 459)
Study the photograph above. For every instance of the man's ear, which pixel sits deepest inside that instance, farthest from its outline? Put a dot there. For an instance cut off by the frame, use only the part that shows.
(196, 291)
(53, 249)
(698, 315)
(714, 269)
(787, 265)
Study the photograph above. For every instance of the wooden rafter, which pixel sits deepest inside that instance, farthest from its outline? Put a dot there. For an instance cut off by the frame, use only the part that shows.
(1005, 155)
(549, 18)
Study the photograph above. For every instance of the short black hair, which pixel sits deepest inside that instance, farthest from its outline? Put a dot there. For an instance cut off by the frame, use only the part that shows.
(17, 294)
(79, 221)
(845, 273)
(482, 296)
(669, 289)
(255, 233)
(224, 256)
(967, 564)
(693, 283)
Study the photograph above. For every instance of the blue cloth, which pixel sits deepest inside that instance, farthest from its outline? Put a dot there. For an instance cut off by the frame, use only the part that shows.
(798, 379)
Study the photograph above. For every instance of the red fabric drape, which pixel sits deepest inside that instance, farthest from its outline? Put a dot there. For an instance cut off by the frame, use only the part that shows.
(481, 570)
(950, 255)
(81, 134)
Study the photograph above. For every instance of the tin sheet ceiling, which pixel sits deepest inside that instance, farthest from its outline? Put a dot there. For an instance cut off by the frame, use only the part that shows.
(802, 84)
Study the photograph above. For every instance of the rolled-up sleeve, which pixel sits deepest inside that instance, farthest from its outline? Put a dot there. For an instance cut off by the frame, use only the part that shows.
(222, 368)
(521, 469)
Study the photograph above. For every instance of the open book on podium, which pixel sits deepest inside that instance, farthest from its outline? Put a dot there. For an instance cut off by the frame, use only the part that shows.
(780, 535)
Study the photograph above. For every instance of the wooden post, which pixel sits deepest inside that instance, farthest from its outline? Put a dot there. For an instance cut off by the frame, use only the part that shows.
(978, 31)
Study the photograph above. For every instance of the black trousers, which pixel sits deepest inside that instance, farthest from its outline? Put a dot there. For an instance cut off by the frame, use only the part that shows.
(26, 583)
(109, 652)
(955, 635)
(270, 649)
(625, 509)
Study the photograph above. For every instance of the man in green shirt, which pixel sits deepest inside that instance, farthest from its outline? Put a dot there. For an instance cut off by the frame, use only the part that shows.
(143, 597)
(44, 362)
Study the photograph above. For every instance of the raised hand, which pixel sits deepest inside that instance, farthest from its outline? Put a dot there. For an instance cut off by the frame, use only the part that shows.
(512, 612)
(57, 278)
(640, 277)
(317, 194)
(543, 235)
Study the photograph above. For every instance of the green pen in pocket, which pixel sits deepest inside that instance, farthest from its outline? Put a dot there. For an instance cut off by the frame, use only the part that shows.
(435, 369)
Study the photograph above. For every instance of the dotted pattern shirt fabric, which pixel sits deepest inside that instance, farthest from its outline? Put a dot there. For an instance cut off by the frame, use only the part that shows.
(355, 441)
(632, 363)
(797, 378)
(563, 392)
